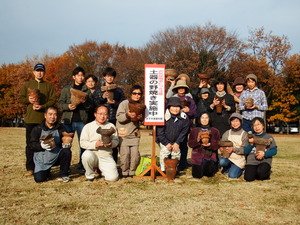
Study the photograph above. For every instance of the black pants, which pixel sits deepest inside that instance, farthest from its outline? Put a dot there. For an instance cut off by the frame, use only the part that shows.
(63, 160)
(115, 152)
(28, 151)
(257, 172)
(207, 168)
(183, 164)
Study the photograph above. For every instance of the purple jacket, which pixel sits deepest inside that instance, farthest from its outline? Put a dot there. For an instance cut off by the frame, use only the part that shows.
(199, 153)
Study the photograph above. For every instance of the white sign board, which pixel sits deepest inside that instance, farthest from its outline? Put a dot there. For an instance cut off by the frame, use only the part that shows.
(154, 94)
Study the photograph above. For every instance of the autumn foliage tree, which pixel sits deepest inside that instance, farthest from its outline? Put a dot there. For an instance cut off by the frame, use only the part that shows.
(285, 102)
(195, 49)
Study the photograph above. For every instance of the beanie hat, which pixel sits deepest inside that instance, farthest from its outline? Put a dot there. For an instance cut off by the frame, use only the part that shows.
(252, 76)
(174, 101)
(235, 115)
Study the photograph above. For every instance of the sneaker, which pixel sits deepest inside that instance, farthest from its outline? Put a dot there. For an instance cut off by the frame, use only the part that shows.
(29, 173)
(64, 179)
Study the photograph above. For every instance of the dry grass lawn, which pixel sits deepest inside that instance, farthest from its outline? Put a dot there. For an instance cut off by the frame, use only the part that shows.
(216, 200)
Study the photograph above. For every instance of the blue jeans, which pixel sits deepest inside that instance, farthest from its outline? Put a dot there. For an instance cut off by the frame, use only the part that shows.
(247, 125)
(71, 128)
(229, 167)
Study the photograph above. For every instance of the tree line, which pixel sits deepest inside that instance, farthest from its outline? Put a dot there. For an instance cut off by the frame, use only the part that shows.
(190, 49)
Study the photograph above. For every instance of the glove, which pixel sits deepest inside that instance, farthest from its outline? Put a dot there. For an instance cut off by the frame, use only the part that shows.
(67, 145)
(45, 146)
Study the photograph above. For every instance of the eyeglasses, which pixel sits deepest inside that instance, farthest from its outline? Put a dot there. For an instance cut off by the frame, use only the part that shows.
(136, 93)
(102, 114)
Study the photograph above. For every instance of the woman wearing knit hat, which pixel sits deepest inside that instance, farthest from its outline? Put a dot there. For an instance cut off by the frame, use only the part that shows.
(233, 161)
(253, 102)
(238, 86)
(171, 135)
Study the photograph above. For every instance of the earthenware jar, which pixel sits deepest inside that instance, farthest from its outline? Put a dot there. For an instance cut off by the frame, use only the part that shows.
(67, 137)
(171, 165)
(223, 145)
(106, 134)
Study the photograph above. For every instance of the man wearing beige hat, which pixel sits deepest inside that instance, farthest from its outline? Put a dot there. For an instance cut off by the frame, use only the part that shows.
(253, 102)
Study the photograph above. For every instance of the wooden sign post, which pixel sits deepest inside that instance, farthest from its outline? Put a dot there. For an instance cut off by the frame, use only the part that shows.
(155, 111)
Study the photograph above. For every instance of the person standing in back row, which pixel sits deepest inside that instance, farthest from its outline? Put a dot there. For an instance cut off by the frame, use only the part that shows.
(75, 116)
(35, 108)
(257, 107)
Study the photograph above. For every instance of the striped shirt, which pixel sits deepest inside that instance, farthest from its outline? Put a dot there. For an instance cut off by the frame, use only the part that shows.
(260, 100)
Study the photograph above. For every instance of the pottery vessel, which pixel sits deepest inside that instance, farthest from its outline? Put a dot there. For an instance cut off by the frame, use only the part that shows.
(76, 96)
(136, 107)
(48, 139)
(205, 77)
(106, 134)
(249, 102)
(35, 94)
(225, 144)
(67, 137)
(171, 165)
(171, 74)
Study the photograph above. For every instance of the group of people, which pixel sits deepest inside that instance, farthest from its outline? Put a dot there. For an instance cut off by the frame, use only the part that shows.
(89, 110)
(224, 128)
(107, 125)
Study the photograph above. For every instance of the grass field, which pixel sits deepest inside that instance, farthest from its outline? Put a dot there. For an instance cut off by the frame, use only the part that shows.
(216, 200)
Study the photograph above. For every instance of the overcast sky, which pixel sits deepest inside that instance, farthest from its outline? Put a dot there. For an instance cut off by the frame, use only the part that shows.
(36, 27)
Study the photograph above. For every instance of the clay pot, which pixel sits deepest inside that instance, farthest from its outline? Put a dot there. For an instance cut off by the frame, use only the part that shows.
(110, 89)
(136, 107)
(76, 96)
(261, 143)
(249, 102)
(219, 107)
(185, 103)
(171, 74)
(225, 144)
(171, 165)
(35, 94)
(110, 96)
(204, 136)
(205, 77)
(106, 134)
(48, 139)
(67, 137)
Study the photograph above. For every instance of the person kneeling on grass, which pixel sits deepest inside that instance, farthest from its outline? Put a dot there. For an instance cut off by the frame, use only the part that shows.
(50, 154)
(258, 166)
(173, 133)
(204, 140)
(233, 162)
(98, 153)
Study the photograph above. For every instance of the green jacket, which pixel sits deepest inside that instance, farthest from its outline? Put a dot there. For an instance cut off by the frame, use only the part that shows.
(47, 99)
(65, 100)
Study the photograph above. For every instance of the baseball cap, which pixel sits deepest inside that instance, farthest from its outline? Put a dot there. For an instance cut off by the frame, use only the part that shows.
(39, 66)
